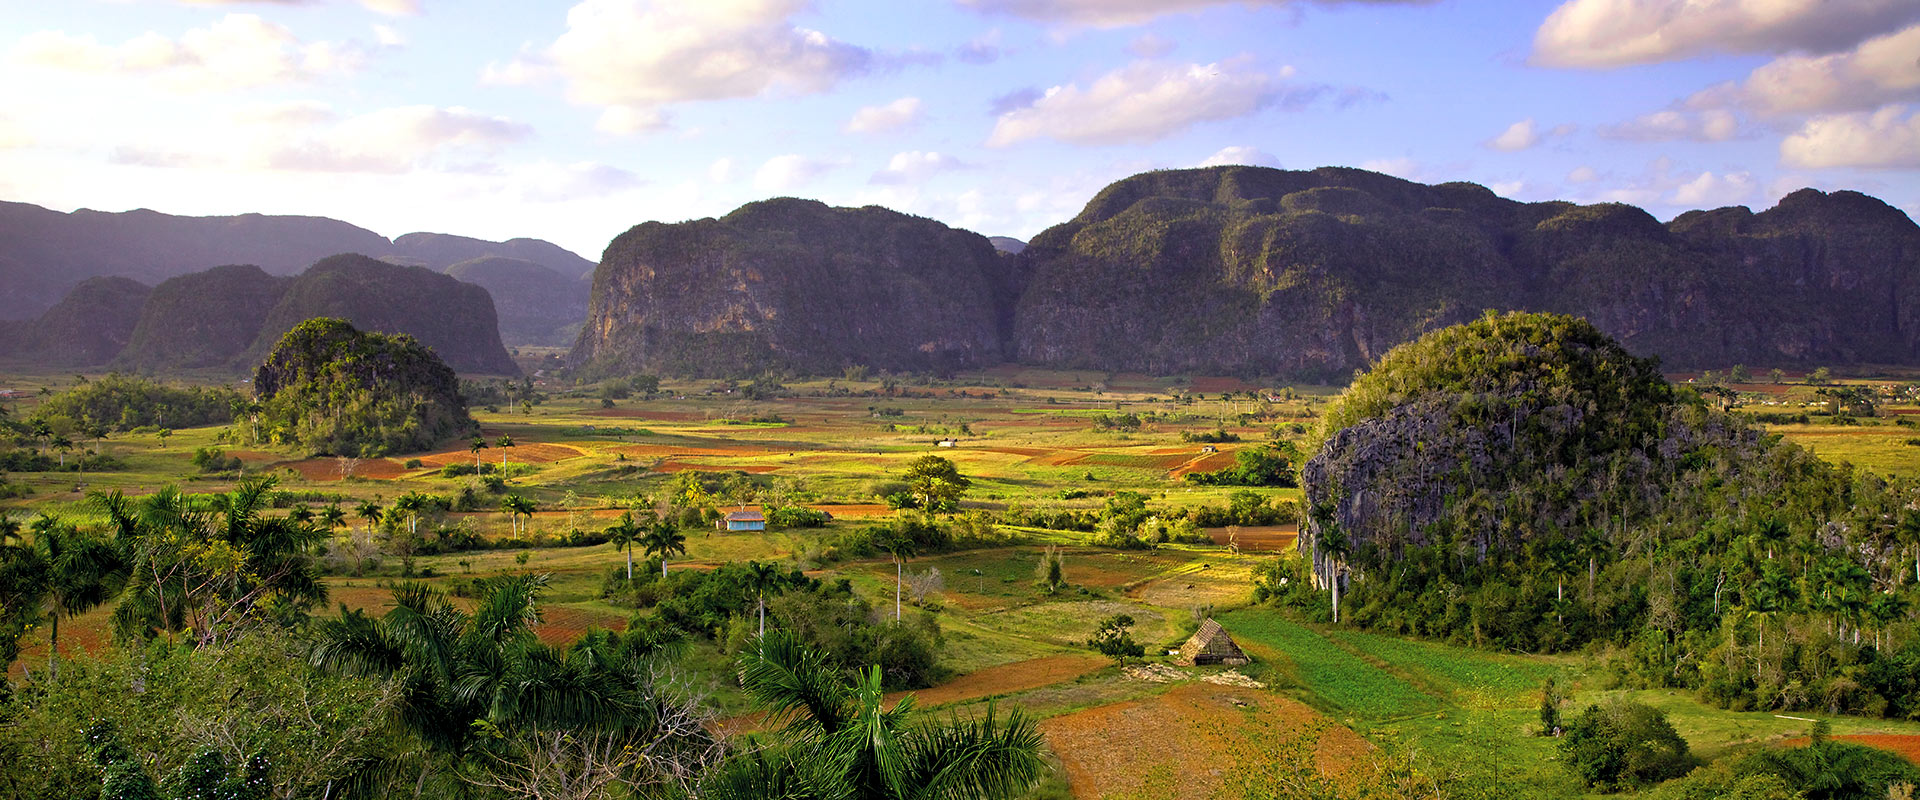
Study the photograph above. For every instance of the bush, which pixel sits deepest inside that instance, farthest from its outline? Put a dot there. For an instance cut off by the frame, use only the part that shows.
(1624, 745)
(208, 459)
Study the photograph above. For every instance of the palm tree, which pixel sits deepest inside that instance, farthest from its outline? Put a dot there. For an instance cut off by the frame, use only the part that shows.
(504, 443)
(478, 444)
(334, 517)
(369, 512)
(411, 504)
(622, 535)
(901, 547)
(517, 507)
(840, 741)
(760, 578)
(663, 538)
(64, 571)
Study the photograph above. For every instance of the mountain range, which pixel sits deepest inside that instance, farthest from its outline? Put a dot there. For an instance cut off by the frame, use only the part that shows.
(1254, 271)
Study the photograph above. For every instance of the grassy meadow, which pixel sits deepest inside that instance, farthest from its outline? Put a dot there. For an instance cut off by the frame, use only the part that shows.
(1028, 439)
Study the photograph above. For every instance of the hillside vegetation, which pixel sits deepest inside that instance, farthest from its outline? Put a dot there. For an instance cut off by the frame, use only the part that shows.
(335, 390)
(1522, 482)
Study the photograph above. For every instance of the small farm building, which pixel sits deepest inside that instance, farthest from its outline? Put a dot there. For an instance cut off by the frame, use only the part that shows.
(1212, 645)
(746, 521)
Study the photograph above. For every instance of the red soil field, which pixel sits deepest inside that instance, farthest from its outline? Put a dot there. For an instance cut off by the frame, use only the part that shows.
(856, 510)
(1192, 739)
(526, 453)
(328, 469)
(560, 624)
(1261, 539)
(1907, 745)
(1211, 462)
(1218, 385)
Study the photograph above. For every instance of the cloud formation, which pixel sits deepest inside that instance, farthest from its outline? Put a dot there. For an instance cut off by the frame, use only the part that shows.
(1145, 102)
(1122, 13)
(1242, 155)
(915, 166)
(643, 54)
(311, 137)
(239, 51)
(783, 174)
(1881, 70)
(1711, 125)
(1526, 134)
(901, 113)
(1708, 190)
(1614, 33)
(1885, 139)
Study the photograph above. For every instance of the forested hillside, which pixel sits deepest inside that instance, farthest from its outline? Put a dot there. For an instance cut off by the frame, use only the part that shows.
(1523, 482)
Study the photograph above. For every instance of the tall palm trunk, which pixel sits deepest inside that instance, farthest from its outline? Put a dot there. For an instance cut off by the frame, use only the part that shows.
(53, 643)
(897, 581)
(629, 563)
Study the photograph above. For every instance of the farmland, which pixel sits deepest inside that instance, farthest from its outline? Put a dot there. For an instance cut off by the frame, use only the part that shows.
(1030, 441)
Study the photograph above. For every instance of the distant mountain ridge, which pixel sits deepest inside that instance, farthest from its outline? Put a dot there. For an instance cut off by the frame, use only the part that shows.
(229, 317)
(1249, 270)
(44, 253)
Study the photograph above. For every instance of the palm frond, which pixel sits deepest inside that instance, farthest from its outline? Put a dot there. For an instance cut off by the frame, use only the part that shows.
(977, 759)
(797, 685)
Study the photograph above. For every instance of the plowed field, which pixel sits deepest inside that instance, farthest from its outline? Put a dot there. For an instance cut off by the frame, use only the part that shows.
(1191, 743)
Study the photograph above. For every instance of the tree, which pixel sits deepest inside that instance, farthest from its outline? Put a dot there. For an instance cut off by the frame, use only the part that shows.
(370, 513)
(760, 578)
(213, 573)
(1051, 571)
(478, 444)
(841, 741)
(902, 547)
(517, 507)
(663, 538)
(412, 504)
(1624, 744)
(1114, 639)
(935, 483)
(525, 718)
(622, 535)
(505, 443)
(62, 571)
(334, 517)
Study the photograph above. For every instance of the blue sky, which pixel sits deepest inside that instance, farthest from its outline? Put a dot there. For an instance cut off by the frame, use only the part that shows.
(573, 122)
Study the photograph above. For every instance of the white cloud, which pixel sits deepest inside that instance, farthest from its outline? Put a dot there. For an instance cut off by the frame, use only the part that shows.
(1711, 125)
(1121, 13)
(310, 137)
(1238, 154)
(642, 54)
(387, 36)
(1708, 190)
(1881, 70)
(239, 51)
(1583, 174)
(1143, 102)
(1613, 33)
(901, 113)
(1884, 139)
(1518, 136)
(915, 166)
(393, 8)
(783, 174)
(982, 49)
(720, 171)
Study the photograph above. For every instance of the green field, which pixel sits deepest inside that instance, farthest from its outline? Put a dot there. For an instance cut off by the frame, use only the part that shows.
(841, 446)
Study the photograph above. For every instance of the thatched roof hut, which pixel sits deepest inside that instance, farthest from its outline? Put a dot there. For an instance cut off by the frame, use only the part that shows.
(1212, 645)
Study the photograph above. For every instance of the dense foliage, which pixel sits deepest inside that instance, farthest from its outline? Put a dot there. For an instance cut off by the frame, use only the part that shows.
(1624, 744)
(1521, 482)
(332, 389)
(123, 402)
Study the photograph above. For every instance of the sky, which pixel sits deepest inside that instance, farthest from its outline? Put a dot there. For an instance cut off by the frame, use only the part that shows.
(575, 121)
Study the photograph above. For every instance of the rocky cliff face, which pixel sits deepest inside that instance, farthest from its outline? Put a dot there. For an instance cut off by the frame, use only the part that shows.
(537, 306)
(1252, 270)
(794, 284)
(455, 319)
